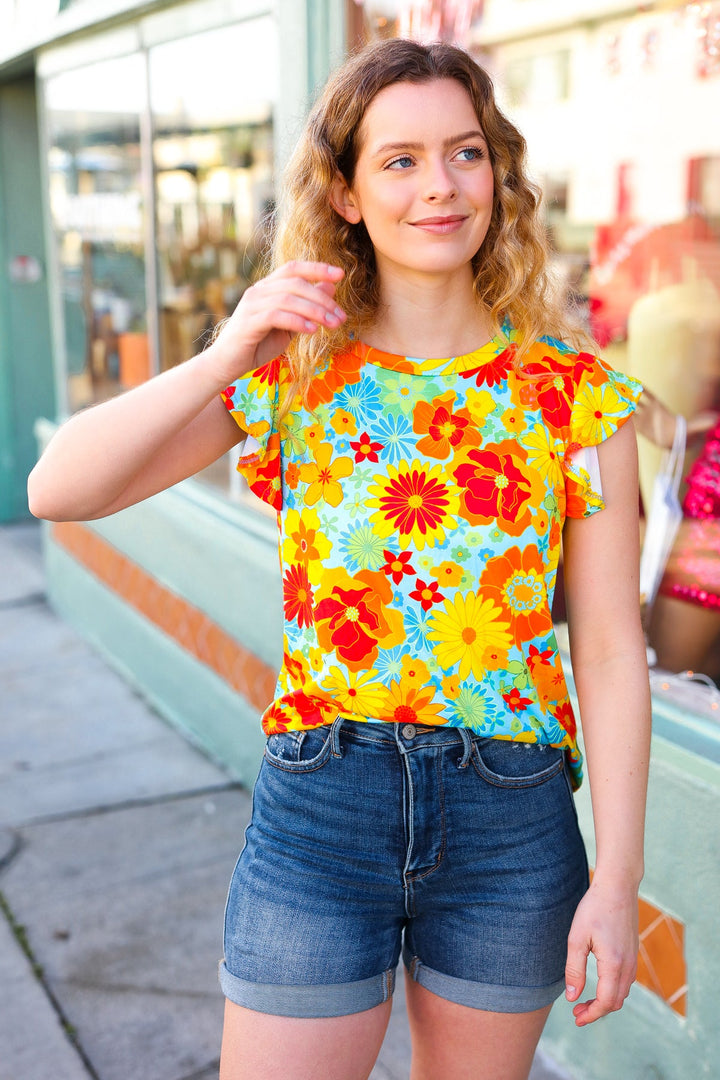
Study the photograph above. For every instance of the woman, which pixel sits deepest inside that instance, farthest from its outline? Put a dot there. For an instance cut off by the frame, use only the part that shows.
(416, 788)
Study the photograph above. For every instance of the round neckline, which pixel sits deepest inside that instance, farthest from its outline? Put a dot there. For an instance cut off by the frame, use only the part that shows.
(414, 365)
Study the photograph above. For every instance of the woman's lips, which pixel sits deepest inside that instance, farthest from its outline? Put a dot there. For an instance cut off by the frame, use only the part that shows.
(440, 225)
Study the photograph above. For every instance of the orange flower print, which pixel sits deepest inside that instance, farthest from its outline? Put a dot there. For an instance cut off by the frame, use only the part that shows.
(414, 672)
(411, 705)
(264, 478)
(353, 619)
(397, 566)
(495, 487)
(305, 543)
(365, 450)
(344, 423)
(443, 429)
(415, 503)
(292, 475)
(516, 582)
(298, 596)
(426, 595)
(449, 573)
(451, 686)
(342, 369)
(515, 701)
(323, 477)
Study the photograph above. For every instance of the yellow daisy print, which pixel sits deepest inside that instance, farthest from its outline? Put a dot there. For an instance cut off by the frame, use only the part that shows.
(595, 415)
(355, 691)
(416, 503)
(465, 630)
(544, 453)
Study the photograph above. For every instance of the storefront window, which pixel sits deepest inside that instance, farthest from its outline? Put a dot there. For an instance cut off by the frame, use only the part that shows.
(197, 142)
(617, 116)
(93, 120)
(212, 100)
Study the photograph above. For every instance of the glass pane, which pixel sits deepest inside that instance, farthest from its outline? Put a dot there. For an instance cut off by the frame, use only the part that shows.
(212, 99)
(93, 120)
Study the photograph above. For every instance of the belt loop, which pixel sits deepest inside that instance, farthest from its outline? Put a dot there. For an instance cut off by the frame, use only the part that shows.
(335, 747)
(467, 747)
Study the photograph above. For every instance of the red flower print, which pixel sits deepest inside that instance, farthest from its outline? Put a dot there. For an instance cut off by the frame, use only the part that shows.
(537, 657)
(415, 502)
(494, 485)
(494, 372)
(350, 622)
(353, 617)
(516, 701)
(396, 566)
(274, 720)
(311, 710)
(365, 450)
(264, 480)
(443, 429)
(269, 373)
(426, 595)
(566, 719)
(298, 596)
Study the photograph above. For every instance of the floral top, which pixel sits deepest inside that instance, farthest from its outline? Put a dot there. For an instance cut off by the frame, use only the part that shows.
(420, 505)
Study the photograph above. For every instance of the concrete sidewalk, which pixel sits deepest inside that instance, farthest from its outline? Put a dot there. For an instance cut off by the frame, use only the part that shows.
(117, 841)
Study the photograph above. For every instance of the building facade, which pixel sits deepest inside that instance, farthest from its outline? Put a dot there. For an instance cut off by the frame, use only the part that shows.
(141, 145)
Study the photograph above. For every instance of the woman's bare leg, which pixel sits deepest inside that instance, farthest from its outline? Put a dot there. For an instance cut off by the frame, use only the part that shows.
(450, 1040)
(258, 1046)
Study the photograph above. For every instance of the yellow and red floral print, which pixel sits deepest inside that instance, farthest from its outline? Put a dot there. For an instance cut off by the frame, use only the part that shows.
(421, 505)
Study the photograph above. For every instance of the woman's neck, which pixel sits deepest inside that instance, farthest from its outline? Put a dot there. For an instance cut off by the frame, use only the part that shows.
(428, 318)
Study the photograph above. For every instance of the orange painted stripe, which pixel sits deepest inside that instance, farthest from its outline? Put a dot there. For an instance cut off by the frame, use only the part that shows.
(184, 623)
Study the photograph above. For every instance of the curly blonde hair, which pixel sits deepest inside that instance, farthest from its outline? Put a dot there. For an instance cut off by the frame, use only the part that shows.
(511, 266)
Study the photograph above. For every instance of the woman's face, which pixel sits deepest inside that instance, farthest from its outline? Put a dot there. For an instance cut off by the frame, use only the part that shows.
(423, 182)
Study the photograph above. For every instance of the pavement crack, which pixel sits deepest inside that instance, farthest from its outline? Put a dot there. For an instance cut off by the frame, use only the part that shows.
(19, 932)
(29, 600)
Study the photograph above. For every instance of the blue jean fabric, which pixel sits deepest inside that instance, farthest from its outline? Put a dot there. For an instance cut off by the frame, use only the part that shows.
(369, 839)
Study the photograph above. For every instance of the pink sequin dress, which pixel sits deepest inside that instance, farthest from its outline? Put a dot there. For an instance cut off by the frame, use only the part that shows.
(693, 569)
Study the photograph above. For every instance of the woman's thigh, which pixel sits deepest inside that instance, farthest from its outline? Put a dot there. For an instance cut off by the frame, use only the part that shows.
(452, 1040)
(259, 1046)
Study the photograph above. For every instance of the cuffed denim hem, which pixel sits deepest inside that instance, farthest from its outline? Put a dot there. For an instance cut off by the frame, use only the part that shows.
(504, 999)
(308, 1002)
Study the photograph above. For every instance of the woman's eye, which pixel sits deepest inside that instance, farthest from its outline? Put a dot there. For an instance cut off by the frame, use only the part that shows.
(403, 162)
(470, 153)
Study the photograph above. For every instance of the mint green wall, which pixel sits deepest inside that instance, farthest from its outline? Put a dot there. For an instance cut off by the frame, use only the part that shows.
(26, 368)
(647, 1040)
(220, 559)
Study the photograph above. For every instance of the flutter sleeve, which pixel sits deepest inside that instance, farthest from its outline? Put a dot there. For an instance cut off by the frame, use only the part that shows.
(604, 400)
(254, 402)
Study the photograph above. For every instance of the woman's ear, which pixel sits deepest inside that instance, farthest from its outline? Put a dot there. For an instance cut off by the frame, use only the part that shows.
(343, 200)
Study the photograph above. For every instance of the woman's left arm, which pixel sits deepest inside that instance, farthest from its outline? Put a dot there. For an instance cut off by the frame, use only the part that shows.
(607, 648)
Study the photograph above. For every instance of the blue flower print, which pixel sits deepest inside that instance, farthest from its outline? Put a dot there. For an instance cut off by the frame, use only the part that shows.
(397, 436)
(417, 628)
(389, 663)
(361, 400)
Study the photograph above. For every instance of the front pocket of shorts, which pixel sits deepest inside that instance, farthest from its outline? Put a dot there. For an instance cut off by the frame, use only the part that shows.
(516, 764)
(299, 751)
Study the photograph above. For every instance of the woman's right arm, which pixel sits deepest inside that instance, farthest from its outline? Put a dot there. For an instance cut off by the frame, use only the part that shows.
(141, 442)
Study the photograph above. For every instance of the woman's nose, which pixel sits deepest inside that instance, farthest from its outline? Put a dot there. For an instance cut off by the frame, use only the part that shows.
(439, 183)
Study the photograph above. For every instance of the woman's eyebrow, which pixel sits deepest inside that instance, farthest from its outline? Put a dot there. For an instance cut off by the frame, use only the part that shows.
(392, 147)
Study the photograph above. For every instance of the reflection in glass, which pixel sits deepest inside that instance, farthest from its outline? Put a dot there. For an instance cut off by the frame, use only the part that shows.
(212, 98)
(93, 120)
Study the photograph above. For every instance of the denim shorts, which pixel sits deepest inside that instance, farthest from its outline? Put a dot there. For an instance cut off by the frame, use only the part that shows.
(368, 839)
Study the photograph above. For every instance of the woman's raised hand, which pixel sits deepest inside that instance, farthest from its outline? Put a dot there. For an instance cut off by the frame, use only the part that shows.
(297, 298)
